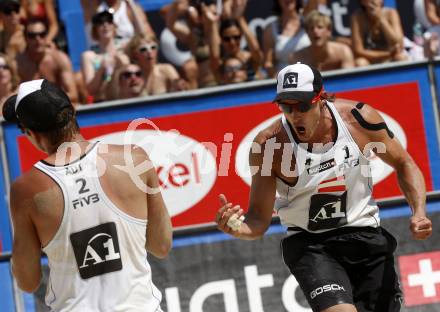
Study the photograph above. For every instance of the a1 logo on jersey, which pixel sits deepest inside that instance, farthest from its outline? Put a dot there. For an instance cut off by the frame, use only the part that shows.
(420, 275)
(97, 250)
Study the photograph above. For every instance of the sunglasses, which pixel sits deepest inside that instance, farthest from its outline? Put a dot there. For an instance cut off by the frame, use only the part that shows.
(148, 48)
(35, 35)
(4, 66)
(301, 106)
(231, 38)
(233, 68)
(128, 74)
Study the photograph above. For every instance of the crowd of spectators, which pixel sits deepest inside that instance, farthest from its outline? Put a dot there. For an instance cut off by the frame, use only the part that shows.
(123, 57)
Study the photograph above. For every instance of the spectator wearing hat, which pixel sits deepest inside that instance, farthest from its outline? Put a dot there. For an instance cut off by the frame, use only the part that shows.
(8, 78)
(12, 39)
(159, 77)
(128, 16)
(43, 10)
(40, 60)
(323, 54)
(97, 65)
(377, 34)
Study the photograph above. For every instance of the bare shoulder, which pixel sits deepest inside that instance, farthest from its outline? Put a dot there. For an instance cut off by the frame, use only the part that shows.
(33, 182)
(360, 118)
(339, 48)
(59, 56)
(166, 68)
(274, 131)
(346, 109)
(121, 154)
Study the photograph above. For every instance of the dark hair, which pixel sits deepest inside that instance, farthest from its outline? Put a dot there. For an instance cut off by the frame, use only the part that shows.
(276, 8)
(66, 133)
(227, 23)
(7, 6)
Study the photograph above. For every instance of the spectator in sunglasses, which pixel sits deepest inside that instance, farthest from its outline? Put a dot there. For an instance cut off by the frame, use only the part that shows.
(227, 41)
(8, 78)
(323, 54)
(40, 60)
(97, 65)
(127, 82)
(43, 10)
(233, 71)
(11, 36)
(159, 77)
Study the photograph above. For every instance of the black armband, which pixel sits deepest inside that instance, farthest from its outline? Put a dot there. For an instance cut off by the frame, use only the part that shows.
(369, 126)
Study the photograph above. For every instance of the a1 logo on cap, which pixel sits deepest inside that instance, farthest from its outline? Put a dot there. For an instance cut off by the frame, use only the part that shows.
(290, 80)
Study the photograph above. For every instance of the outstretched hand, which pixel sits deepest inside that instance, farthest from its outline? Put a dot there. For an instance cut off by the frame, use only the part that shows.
(226, 211)
(421, 227)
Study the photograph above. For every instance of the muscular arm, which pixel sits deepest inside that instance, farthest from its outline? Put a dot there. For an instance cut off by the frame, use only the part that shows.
(159, 228)
(410, 178)
(261, 202)
(26, 250)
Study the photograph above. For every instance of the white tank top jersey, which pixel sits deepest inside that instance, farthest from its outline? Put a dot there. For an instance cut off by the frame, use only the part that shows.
(97, 258)
(334, 188)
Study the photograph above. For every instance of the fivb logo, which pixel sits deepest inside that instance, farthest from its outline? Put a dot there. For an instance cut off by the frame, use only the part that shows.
(290, 80)
(97, 250)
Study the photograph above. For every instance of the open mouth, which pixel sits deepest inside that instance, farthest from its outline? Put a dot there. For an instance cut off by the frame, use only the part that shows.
(300, 130)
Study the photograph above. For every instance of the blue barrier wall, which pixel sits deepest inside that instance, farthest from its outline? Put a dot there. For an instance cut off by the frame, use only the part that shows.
(6, 289)
(5, 227)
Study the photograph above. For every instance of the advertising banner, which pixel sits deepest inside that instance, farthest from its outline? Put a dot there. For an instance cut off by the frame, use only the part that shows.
(199, 155)
(212, 272)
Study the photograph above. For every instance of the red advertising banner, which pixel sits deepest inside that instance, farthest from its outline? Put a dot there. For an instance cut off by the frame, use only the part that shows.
(420, 275)
(199, 155)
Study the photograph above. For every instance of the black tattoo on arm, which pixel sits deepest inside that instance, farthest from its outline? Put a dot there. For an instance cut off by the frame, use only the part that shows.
(366, 124)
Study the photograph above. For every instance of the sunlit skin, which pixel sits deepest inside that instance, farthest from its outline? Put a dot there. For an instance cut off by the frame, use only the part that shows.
(234, 71)
(5, 73)
(131, 86)
(311, 126)
(106, 30)
(319, 34)
(147, 57)
(37, 44)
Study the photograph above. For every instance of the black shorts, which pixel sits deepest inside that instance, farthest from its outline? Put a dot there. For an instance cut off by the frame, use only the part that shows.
(348, 265)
